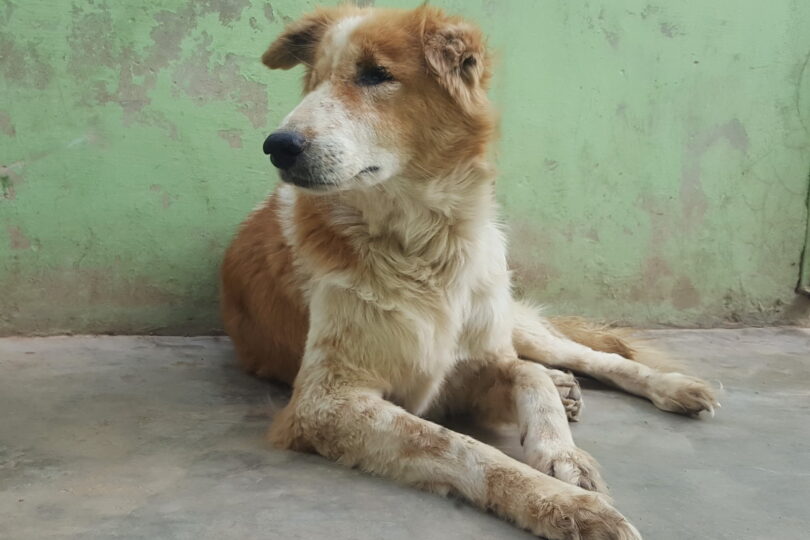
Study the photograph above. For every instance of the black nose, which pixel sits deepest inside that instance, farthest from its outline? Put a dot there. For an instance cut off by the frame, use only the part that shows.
(284, 147)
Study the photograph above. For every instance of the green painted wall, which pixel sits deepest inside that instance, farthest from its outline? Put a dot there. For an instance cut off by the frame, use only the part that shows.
(654, 159)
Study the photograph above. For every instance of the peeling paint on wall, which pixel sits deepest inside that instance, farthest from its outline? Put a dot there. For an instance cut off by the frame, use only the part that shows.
(653, 161)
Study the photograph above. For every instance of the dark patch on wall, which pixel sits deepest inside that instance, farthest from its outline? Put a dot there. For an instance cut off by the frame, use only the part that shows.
(10, 178)
(684, 294)
(269, 12)
(17, 239)
(229, 10)
(221, 82)
(693, 199)
(531, 263)
(5, 124)
(165, 198)
(670, 30)
(7, 188)
(89, 297)
(24, 65)
(232, 136)
(96, 53)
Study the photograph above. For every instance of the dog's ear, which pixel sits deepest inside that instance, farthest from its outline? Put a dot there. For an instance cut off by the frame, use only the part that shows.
(456, 54)
(297, 44)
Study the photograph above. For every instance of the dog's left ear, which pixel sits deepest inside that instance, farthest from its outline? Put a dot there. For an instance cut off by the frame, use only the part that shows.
(457, 56)
(297, 44)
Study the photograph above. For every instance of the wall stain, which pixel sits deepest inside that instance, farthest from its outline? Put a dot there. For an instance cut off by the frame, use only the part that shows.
(6, 126)
(649, 10)
(694, 203)
(269, 12)
(654, 269)
(80, 292)
(7, 187)
(684, 294)
(10, 177)
(670, 30)
(165, 199)
(95, 52)
(232, 136)
(221, 82)
(531, 264)
(17, 239)
(24, 65)
(228, 10)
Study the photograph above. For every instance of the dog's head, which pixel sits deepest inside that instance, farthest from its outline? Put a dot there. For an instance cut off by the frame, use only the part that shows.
(386, 93)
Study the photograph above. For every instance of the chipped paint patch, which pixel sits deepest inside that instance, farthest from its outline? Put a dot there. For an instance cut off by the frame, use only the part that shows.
(17, 239)
(670, 30)
(269, 12)
(200, 78)
(684, 294)
(694, 202)
(7, 187)
(232, 136)
(6, 126)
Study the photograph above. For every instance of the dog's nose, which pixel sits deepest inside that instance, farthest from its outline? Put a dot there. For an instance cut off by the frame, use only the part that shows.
(284, 147)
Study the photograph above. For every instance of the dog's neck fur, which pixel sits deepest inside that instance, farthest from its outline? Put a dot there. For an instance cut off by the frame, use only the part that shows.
(420, 217)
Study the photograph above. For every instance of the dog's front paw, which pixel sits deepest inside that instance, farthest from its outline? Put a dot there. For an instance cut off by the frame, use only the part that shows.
(570, 392)
(678, 393)
(589, 517)
(572, 465)
(596, 519)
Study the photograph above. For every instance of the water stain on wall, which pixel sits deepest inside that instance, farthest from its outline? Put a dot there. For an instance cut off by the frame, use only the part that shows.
(693, 199)
(6, 126)
(17, 239)
(684, 294)
(232, 136)
(23, 64)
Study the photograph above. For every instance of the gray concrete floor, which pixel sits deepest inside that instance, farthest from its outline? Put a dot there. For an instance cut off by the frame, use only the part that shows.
(158, 437)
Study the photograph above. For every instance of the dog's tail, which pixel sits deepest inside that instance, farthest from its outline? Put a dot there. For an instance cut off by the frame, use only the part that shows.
(610, 339)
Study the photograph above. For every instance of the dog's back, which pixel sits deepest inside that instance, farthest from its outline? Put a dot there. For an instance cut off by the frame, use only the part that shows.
(262, 306)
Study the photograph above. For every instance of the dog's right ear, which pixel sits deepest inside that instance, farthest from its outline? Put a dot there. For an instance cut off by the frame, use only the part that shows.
(297, 44)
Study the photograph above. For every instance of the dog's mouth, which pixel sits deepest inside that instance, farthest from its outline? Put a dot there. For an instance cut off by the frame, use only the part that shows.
(314, 183)
(305, 182)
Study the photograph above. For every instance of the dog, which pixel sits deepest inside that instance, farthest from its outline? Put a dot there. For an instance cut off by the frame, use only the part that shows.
(374, 280)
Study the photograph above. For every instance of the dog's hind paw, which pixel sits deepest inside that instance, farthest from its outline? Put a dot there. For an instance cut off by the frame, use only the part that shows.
(570, 392)
(678, 393)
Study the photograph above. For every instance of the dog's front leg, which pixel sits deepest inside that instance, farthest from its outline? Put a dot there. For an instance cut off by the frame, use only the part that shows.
(510, 390)
(357, 427)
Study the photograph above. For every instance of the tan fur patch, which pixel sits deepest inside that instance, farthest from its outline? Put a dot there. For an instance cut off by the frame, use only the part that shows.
(319, 240)
(420, 438)
(262, 308)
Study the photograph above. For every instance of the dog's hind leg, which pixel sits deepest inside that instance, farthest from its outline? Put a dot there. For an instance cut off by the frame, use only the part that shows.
(358, 428)
(536, 339)
(514, 391)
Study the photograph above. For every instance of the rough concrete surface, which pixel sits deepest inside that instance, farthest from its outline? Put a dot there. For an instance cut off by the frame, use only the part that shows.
(161, 437)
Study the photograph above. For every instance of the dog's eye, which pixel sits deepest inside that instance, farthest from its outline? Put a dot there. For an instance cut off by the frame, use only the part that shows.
(373, 75)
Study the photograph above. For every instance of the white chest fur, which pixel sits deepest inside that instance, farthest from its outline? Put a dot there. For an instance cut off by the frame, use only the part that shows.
(437, 294)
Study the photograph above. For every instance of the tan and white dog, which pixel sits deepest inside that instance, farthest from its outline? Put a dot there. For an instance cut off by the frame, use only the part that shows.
(374, 280)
